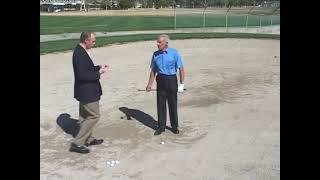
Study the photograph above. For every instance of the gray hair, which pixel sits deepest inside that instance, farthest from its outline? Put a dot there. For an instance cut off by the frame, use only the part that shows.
(165, 37)
(85, 35)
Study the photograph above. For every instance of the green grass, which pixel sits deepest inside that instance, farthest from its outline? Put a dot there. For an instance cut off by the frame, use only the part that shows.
(69, 24)
(64, 45)
(72, 24)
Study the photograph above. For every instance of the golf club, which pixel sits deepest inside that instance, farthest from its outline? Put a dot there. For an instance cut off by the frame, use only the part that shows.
(153, 90)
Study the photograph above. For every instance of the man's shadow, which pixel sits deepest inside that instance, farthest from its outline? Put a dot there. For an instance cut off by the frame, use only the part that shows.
(140, 116)
(68, 125)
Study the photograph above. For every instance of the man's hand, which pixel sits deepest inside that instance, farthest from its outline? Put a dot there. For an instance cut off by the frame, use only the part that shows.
(148, 88)
(181, 88)
(102, 70)
(104, 66)
(151, 78)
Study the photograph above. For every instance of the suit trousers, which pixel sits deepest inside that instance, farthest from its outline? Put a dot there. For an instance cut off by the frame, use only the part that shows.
(89, 115)
(167, 88)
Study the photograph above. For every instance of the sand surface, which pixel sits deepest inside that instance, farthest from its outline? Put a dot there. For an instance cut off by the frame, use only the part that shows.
(229, 116)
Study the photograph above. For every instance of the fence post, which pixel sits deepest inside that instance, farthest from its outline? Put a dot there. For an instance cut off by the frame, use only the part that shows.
(247, 22)
(84, 6)
(204, 18)
(271, 20)
(175, 18)
(227, 18)
(227, 22)
(248, 15)
(204, 13)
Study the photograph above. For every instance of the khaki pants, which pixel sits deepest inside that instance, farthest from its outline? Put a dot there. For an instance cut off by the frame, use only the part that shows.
(89, 115)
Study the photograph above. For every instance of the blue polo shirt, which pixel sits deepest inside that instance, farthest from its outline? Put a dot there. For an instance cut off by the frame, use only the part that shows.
(166, 62)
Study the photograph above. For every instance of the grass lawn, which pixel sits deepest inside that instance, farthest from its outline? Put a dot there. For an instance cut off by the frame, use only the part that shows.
(64, 45)
(73, 24)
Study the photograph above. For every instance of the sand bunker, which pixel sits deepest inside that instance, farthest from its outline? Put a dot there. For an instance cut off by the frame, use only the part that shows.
(229, 116)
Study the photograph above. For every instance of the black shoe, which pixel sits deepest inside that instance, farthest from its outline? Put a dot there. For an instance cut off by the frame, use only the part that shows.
(175, 131)
(95, 142)
(78, 149)
(158, 132)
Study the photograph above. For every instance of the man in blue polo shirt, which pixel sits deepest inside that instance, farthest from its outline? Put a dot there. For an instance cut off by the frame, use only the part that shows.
(164, 65)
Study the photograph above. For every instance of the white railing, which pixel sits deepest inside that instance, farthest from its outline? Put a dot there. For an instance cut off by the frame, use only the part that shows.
(62, 1)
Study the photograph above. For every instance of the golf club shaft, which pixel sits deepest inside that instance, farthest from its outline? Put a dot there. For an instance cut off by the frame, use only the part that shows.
(153, 90)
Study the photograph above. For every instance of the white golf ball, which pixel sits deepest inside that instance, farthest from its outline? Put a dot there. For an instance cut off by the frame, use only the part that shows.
(112, 162)
(117, 162)
(162, 142)
(112, 165)
(108, 162)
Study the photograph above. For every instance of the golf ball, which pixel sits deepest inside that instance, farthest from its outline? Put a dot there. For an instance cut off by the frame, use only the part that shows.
(162, 142)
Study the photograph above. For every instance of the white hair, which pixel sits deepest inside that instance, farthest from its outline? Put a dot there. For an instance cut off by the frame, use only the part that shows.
(165, 37)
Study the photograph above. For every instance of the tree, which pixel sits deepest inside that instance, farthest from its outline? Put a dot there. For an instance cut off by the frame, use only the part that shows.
(125, 4)
(181, 2)
(165, 3)
(106, 3)
(144, 3)
(151, 3)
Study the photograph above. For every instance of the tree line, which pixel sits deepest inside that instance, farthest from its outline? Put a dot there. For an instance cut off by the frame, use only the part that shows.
(125, 4)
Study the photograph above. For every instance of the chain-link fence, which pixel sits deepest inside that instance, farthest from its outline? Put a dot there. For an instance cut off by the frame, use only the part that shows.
(233, 19)
(226, 17)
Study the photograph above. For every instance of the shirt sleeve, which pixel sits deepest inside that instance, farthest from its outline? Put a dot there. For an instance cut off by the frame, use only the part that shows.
(97, 68)
(179, 61)
(152, 65)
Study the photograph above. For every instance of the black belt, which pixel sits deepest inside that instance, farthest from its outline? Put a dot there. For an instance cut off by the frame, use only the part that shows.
(165, 75)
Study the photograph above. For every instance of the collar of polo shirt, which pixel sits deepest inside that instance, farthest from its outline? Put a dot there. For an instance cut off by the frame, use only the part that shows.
(165, 51)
